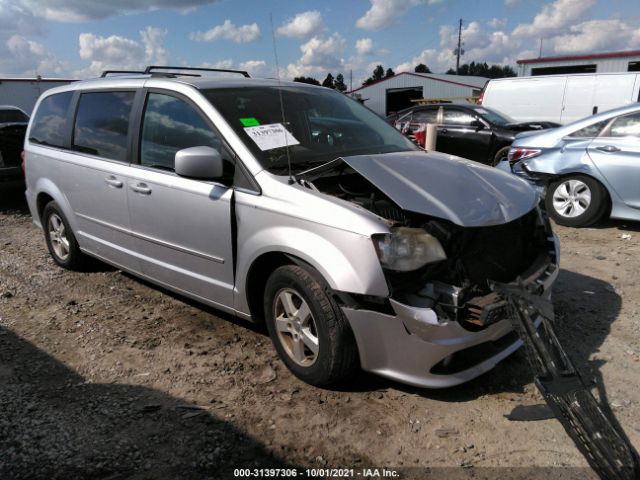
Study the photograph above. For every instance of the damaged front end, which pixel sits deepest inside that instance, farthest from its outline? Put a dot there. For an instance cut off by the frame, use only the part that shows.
(442, 323)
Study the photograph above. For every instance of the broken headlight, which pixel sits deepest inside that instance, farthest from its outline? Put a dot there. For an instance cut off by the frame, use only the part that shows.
(406, 249)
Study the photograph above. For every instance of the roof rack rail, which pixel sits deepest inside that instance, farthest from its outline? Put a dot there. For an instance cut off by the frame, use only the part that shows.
(111, 72)
(150, 69)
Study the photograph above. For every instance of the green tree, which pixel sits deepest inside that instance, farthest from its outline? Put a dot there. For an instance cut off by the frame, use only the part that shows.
(309, 80)
(329, 82)
(421, 68)
(378, 74)
(484, 70)
(339, 83)
(389, 73)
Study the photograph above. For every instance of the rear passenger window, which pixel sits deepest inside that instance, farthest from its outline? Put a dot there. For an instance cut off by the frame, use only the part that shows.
(102, 124)
(171, 124)
(627, 126)
(49, 122)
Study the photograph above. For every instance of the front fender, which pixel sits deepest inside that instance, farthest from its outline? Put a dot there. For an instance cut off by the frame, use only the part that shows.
(346, 260)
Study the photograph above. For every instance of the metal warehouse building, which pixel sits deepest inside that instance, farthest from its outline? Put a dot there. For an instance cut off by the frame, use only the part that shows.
(597, 63)
(24, 92)
(395, 93)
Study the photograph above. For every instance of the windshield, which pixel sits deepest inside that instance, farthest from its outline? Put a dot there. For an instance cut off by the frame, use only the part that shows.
(321, 125)
(9, 116)
(493, 116)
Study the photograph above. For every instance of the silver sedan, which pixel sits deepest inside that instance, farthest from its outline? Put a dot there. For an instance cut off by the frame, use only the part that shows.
(587, 170)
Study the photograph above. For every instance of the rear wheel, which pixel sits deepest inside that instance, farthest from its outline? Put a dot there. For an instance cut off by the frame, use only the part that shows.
(500, 156)
(61, 242)
(307, 327)
(576, 201)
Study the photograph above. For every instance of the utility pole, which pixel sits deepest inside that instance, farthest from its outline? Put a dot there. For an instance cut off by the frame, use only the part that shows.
(459, 49)
(351, 80)
(540, 53)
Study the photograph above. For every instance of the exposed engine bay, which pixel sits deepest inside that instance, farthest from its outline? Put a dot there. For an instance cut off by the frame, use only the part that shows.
(457, 288)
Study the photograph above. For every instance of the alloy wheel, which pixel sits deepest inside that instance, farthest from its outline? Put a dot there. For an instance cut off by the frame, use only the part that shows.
(58, 237)
(571, 198)
(296, 327)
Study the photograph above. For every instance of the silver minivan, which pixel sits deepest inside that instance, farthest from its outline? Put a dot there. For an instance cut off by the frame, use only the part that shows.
(293, 206)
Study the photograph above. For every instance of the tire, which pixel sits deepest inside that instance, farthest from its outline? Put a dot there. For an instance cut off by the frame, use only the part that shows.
(288, 290)
(61, 243)
(499, 156)
(576, 201)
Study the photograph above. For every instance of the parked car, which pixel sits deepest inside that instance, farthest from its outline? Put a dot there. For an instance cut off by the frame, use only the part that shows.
(560, 98)
(587, 170)
(292, 205)
(13, 125)
(468, 131)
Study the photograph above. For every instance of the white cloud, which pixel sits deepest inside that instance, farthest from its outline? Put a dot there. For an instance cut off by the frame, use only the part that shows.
(19, 55)
(432, 58)
(554, 19)
(121, 53)
(497, 22)
(598, 35)
(511, 3)
(255, 68)
(302, 25)
(228, 31)
(364, 47)
(557, 22)
(28, 58)
(319, 55)
(153, 37)
(384, 13)
(85, 10)
(20, 46)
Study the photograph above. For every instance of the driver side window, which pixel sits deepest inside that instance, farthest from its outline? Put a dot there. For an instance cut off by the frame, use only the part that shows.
(170, 124)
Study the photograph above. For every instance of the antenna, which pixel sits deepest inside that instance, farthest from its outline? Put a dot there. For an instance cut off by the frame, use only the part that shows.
(284, 121)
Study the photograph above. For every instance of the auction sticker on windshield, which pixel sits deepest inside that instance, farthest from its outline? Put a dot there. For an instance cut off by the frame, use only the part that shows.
(271, 136)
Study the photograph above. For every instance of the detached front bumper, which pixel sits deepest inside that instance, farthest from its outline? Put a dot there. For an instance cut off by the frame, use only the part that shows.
(413, 347)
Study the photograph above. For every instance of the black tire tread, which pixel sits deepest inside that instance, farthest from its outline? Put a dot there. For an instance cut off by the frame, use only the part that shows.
(344, 359)
(496, 156)
(77, 260)
(599, 202)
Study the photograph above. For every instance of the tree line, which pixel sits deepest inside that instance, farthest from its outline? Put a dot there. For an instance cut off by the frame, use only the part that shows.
(480, 69)
(336, 83)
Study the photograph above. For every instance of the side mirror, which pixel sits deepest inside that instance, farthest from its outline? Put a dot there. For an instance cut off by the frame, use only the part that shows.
(477, 124)
(199, 162)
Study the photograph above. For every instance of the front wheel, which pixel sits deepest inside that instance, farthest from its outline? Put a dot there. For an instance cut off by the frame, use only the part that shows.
(576, 201)
(307, 327)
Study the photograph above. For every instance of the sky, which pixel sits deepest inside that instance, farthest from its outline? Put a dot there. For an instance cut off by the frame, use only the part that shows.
(81, 38)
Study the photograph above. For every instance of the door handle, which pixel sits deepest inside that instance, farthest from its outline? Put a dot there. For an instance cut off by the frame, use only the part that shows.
(444, 130)
(113, 182)
(142, 188)
(608, 148)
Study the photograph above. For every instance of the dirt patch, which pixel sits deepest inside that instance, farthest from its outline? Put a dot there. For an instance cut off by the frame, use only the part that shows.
(100, 372)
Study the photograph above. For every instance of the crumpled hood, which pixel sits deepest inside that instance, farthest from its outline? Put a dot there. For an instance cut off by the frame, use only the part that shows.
(467, 193)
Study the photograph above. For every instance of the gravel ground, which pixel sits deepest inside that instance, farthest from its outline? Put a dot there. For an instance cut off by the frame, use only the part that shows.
(105, 376)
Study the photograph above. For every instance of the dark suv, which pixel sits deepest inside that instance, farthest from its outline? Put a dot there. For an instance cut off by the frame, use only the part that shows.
(469, 131)
(13, 125)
